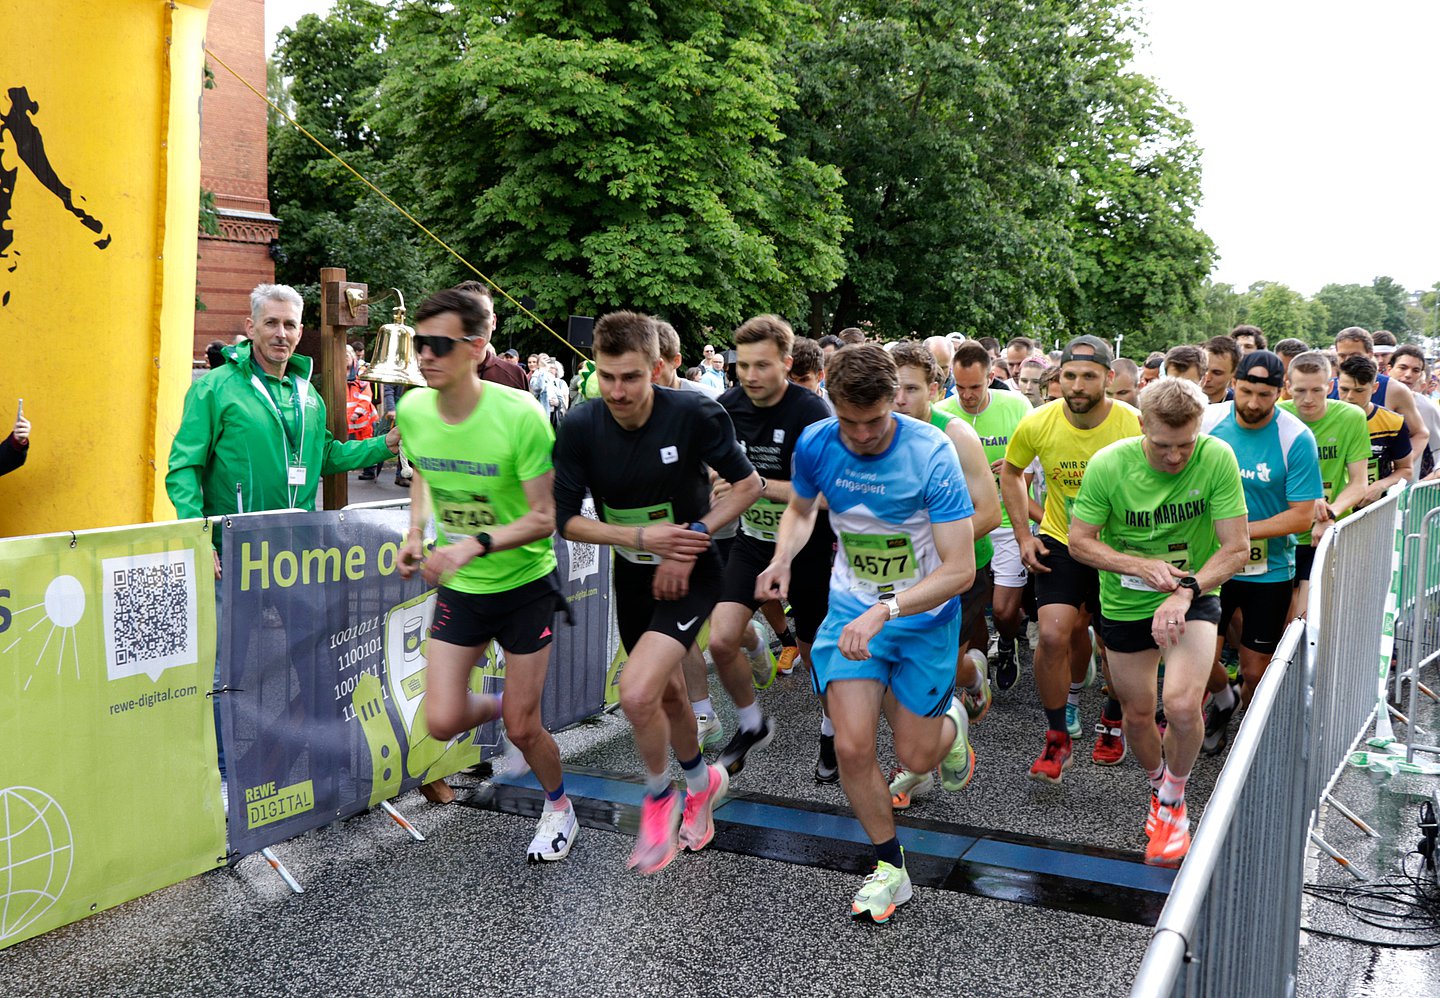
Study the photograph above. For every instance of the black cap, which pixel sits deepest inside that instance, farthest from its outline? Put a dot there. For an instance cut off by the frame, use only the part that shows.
(1087, 345)
(1274, 368)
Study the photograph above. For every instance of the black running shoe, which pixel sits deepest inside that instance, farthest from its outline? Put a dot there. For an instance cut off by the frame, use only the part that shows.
(827, 770)
(733, 758)
(1007, 669)
(1216, 722)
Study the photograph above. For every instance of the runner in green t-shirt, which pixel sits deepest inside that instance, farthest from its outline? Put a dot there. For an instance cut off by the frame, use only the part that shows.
(482, 453)
(994, 415)
(1343, 438)
(916, 390)
(1163, 518)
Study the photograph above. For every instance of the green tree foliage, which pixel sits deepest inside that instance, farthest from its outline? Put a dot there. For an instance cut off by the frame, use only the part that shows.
(946, 121)
(1396, 300)
(598, 155)
(1350, 305)
(1280, 311)
(928, 166)
(1004, 175)
(1221, 309)
(1139, 257)
(327, 74)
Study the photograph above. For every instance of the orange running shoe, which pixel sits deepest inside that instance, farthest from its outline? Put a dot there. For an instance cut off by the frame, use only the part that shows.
(1170, 840)
(785, 664)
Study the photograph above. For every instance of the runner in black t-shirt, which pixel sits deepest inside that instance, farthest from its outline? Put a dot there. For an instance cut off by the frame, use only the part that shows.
(641, 455)
(769, 416)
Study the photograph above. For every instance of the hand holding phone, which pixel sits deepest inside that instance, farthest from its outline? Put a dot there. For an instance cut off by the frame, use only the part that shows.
(22, 425)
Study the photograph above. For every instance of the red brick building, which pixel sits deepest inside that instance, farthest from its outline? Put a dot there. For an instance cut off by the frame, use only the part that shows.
(233, 158)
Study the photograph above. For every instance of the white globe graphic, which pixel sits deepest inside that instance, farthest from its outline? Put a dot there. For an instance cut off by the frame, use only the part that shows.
(36, 855)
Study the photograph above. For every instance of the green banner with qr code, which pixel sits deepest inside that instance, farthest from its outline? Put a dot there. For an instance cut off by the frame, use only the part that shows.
(108, 783)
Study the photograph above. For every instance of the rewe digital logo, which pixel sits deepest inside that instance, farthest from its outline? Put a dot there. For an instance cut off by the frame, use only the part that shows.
(18, 129)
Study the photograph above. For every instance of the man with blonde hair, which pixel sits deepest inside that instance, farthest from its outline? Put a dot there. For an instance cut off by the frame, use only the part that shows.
(1162, 516)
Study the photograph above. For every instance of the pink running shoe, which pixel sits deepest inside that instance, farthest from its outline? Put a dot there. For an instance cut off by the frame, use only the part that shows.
(697, 828)
(656, 844)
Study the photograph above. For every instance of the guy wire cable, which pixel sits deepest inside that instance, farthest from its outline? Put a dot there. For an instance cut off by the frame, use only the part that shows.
(388, 200)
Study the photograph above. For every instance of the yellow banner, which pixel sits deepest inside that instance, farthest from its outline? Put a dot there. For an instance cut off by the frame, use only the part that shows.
(99, 188)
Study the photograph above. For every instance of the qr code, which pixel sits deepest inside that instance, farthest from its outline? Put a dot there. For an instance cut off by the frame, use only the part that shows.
(150, 609)
(584, 558)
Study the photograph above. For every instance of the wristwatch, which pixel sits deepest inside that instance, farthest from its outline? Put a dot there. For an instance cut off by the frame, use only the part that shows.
(485, 544)
(892, 603)
(699, 527)
(1188, 582)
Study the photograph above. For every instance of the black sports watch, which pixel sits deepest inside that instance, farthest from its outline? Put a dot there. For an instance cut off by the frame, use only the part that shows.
(1188, 582)
(485, 544)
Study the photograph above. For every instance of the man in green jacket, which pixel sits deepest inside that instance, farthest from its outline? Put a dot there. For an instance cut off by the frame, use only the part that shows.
(253, 435)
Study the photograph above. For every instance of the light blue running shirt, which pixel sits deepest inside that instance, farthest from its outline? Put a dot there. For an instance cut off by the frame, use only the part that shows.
(1279, 464)
(881, 509)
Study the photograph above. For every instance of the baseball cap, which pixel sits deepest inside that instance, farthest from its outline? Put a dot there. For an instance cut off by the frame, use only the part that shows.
(1273, 365)
(1091, 348)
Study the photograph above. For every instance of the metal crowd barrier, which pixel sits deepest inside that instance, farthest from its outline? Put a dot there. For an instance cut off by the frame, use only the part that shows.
(1419, 500)
(1418, 639)
(1351, 589)
(1231, 925)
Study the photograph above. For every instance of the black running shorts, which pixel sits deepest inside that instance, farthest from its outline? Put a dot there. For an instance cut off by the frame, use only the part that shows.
(809, 583)
(637, 610)
(974, 600)
(1130, 636)
(1068, 582)
(520, 620)
(1265, 606)
(1304, 559)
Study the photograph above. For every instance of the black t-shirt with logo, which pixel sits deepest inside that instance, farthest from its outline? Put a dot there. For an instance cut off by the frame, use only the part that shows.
(768, 436)
(651, 474)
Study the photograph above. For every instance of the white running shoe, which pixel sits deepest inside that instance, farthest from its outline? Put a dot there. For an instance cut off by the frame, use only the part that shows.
(554, 836)
(709, 730)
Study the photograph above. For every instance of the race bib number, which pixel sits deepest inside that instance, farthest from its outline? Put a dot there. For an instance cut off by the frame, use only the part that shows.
(881, 563)
(1259, 561)
(1176, 554)
(468, 517)
(641, 517)
(762, 520)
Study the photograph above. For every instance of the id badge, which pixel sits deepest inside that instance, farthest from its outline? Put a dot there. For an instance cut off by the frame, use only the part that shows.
(296, 475)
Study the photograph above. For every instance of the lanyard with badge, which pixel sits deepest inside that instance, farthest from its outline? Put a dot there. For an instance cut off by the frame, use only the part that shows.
(295, 466)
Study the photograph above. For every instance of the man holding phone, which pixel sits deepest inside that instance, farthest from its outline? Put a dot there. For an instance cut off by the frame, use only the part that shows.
(17, 445)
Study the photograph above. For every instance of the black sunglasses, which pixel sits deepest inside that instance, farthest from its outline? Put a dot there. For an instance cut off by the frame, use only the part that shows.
(440, 346)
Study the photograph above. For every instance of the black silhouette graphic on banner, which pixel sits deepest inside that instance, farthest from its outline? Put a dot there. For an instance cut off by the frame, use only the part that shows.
(30, 147)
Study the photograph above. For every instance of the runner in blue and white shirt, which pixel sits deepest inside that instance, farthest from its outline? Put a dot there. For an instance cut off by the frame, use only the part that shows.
(901, 513)
(1280, 469)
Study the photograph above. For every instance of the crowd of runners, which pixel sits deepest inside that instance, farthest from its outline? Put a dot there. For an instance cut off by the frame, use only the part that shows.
(900, 519)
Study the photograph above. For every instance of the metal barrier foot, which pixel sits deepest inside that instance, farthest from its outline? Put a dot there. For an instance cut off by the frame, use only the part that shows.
(1334, 854)
(1354, 818)
(279, 868)
(400, 820)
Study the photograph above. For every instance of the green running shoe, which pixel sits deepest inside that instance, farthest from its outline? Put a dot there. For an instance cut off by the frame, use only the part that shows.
(881, 893)
(958, 766)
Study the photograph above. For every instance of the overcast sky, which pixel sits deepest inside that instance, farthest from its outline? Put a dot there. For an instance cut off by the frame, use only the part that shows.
(1318, 122)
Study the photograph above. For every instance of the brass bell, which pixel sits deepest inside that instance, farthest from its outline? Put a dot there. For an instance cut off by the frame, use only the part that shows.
(394, 360)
